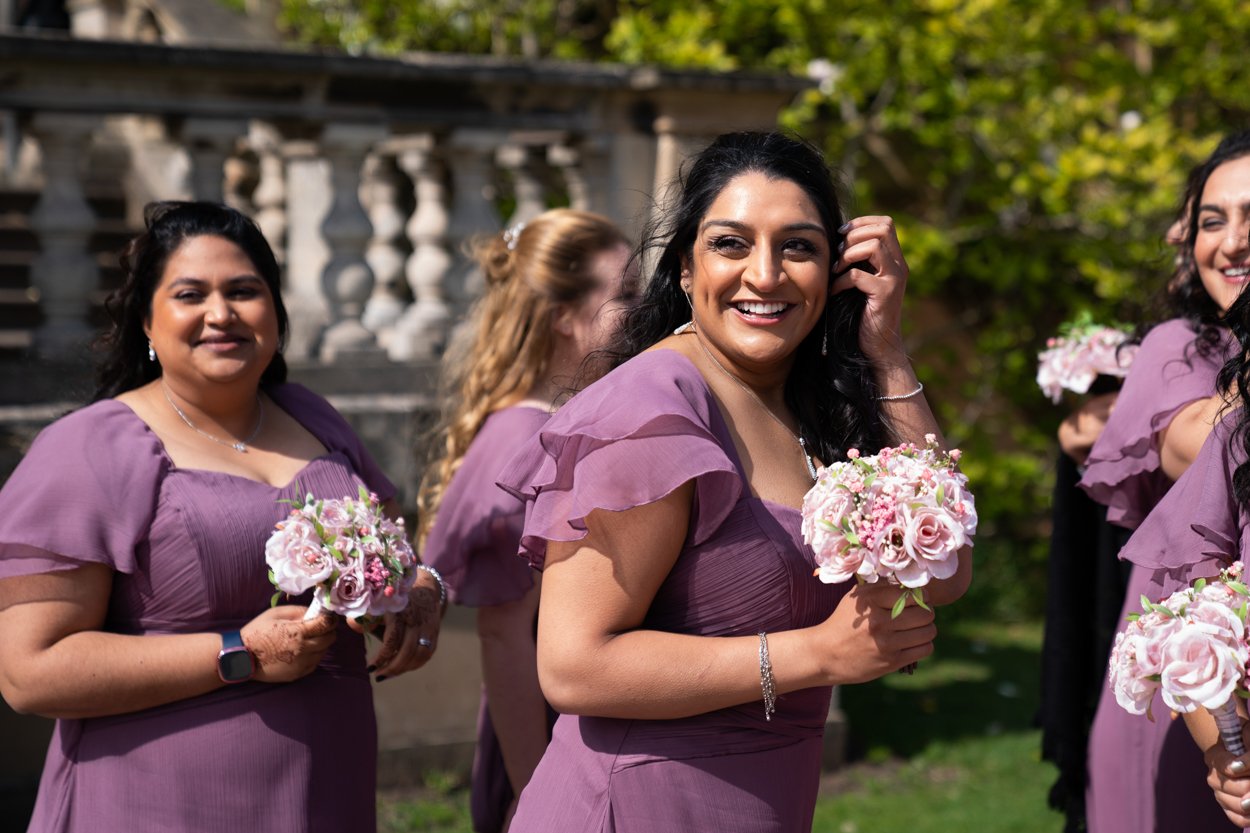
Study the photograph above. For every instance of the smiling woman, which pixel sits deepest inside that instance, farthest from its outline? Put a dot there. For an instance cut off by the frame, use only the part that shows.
(133, 592)
(681, 634)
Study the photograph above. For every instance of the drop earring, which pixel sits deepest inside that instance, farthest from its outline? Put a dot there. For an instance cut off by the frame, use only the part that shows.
(688, 327)
(151, 352)
(824, 338)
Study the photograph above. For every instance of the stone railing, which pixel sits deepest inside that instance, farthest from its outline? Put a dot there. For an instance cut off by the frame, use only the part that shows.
(366, 175)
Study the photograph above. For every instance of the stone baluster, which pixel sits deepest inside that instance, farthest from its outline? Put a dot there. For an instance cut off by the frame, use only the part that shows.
(470, 155)
(423, 331)
(64, 273)
(584, 168)
(209, 142)
(347, 280)
(269, 197)
(382, 195)
(523, 162)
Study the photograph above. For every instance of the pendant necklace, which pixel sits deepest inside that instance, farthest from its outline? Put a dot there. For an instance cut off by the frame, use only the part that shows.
(807, 457)
(238, 445)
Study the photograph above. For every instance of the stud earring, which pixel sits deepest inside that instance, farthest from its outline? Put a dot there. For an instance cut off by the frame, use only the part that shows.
(151, 352)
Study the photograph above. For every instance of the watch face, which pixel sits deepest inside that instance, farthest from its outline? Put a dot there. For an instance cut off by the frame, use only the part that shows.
(235, 666)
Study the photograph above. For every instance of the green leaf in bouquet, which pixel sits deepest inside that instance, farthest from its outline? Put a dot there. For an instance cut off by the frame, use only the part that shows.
(827, 525)
(1239, 588)
(1133, 617)
(868, 480)
(273, 600)
(852, 538)
(1199, 584)
(899, 605)
(917, 593)
(1242, 693)
(941, 493)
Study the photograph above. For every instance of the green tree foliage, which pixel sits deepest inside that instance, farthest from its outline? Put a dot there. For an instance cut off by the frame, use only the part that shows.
(1031, 153)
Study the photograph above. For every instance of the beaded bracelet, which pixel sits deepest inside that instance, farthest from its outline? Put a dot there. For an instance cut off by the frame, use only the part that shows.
(766, 679)
(916, 392)
(438, 577)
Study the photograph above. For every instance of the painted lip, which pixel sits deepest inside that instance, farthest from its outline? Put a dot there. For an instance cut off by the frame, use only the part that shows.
(1236, 272)
(222, 343)
(762, 313)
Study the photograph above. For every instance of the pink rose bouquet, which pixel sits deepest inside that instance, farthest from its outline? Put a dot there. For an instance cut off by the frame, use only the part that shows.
(1192, 649)
(357, 562)
(901, 515)
(1082, 352)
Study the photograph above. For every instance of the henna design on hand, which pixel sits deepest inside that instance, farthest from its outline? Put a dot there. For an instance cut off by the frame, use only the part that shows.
(275, 644)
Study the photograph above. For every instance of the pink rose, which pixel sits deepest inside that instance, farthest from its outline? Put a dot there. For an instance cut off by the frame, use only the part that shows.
(843, 562)
(334, 518)
(932, 537)
(1133, 691)
(350, 595)
(296, 556)
(1200, 668)
(894, 559)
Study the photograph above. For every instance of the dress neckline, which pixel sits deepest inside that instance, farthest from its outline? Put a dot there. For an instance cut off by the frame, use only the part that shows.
(327, 454)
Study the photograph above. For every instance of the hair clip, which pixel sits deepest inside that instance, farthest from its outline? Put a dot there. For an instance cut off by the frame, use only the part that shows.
(512, 235)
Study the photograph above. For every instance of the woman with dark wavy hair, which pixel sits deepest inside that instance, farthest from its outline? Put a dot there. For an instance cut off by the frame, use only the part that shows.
(134, 600)
(1144, 775)
(681, 633)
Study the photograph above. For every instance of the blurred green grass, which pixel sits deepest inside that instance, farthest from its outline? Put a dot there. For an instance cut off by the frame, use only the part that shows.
(950, 748)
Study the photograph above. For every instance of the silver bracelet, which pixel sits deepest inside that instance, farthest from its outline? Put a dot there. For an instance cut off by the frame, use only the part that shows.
(916, 392)
(438, 577)
(766, 679)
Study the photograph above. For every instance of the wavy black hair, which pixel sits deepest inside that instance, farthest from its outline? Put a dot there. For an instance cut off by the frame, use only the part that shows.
(125, 364)
(1235, 376)
(834, 397)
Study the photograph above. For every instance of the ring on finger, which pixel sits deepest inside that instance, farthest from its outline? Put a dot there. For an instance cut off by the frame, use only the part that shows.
(425, 642)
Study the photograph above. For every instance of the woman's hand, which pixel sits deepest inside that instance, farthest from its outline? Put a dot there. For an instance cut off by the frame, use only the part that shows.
(1082, 428)
(284, 646)
(862, 642)
(871, 261)
(410, 637)
(1229, 778)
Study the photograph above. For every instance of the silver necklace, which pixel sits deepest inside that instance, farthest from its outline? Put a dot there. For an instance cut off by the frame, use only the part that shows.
(238, 445)
(807, 457)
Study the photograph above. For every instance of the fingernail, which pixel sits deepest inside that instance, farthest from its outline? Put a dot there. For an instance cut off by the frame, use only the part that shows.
(1237, 766)
(381, 679)
(845, 227)
(371, 669)
(842, 247)
(1245, 804)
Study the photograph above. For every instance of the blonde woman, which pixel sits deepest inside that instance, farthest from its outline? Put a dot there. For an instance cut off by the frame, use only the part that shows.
(553, 291)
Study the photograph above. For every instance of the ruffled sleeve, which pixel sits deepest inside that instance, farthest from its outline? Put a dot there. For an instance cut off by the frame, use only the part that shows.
(85, 493)
(1199, 520)
(628, 440)
(328, 425)
(1123, 471)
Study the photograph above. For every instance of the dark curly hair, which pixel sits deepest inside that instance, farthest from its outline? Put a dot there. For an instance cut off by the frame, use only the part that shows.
(125, 365)
(834, 397)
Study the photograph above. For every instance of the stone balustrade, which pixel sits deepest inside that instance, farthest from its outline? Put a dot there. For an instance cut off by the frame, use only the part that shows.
(368, 176)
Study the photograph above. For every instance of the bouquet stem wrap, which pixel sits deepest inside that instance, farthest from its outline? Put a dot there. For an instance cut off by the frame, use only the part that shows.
(1229, 723)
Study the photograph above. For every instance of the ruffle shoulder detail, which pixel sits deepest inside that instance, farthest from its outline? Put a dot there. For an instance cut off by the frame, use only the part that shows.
(628, 440)
(1199, 520)
(85, 493)
(1123, 471)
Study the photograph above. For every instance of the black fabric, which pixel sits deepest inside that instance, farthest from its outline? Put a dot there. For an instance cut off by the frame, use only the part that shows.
(1086, 583)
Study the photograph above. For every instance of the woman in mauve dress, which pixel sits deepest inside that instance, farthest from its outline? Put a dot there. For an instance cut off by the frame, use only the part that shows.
(554, 288)
(134, 600)
(1200, 526)
(1147, 776)
(682, 635)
